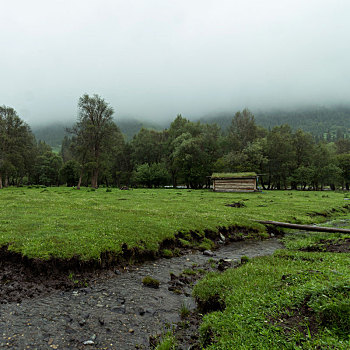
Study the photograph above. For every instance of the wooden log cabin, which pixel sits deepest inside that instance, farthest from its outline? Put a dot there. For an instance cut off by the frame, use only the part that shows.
(234, 182)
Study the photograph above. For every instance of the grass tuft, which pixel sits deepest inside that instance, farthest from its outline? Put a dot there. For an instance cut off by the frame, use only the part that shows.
(150, 282)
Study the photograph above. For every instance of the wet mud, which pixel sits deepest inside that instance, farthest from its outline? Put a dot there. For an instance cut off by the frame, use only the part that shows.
(110, 309)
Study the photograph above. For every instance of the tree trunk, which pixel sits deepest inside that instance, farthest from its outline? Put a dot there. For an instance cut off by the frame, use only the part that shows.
(94, 178)
(173, 177)
(0, 181)
(80, 178)
(6, 181)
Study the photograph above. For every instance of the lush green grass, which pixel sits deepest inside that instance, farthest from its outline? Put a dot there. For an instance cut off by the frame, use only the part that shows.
(63, 222)
(291, 300)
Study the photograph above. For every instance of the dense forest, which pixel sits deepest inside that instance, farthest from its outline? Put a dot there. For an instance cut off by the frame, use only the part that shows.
(95, 151)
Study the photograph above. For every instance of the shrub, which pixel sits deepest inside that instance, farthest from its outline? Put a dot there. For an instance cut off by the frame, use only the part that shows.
(244, 259)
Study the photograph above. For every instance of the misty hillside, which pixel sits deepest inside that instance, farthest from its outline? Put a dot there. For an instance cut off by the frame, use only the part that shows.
(52, 134)
(130, 127)
(327, 123)
(320, 122)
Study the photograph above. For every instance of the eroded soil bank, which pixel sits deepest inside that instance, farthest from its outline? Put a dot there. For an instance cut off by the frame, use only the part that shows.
(22, 277)
(115, 311)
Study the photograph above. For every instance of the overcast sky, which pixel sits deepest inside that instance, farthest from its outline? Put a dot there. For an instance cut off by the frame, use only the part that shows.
(153, 59)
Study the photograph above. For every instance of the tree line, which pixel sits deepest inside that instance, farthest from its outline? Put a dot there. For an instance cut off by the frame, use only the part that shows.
(187, 153)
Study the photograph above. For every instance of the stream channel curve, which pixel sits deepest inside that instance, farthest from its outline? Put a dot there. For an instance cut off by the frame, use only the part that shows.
(117, 313)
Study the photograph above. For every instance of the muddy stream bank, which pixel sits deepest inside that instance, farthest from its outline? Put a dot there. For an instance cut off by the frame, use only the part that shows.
(117, 312)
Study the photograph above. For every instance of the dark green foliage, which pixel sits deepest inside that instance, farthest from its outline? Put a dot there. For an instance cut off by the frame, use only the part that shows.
(69, 173)
(17, 148)
(154, 175)
(47, 169)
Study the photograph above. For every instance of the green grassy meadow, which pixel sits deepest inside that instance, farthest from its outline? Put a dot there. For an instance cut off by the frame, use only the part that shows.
(293, 299)
(64, 222)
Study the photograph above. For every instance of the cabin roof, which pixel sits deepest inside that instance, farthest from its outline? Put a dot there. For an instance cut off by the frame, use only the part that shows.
(233, 175)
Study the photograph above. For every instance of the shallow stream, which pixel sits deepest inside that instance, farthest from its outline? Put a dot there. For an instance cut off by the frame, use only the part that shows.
(114, 313)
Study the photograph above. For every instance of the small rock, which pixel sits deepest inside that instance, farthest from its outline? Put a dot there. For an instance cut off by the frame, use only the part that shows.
(208, 253)
(117, 272)
(222, 237)
(119, 309)
(131, 330)
(82, 322)
(93, 337)
(141, 311)
(101, 321)
(88, 342)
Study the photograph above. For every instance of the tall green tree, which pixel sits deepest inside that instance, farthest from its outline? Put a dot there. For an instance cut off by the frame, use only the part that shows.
(281, 156)
(16, 145)
(343, 161)
(148, 146)
(194, 155)
(242, 131)
(47, 168)
(94, 133)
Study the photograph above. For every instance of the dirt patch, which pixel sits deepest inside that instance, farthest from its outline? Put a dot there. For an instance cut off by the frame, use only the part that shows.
(236, 205)
(331, 246)
(302, 319)
(22, 278)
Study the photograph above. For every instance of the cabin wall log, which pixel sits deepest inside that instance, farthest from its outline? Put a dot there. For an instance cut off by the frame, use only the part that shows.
(234, 185)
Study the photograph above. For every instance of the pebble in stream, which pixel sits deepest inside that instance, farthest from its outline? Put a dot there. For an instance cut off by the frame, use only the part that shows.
(118, 313)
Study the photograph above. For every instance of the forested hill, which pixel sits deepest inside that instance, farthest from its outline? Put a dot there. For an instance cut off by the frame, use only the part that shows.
(130, 127)
(53, 134)
(321, 122)
(327, 123)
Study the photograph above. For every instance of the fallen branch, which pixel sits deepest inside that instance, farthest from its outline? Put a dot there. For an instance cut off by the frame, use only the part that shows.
(303, 227)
